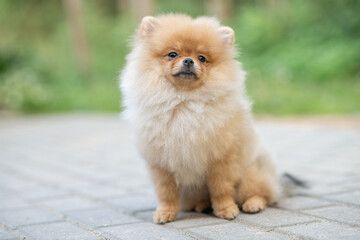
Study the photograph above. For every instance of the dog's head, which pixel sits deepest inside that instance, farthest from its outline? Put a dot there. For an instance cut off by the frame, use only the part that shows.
(186, 52)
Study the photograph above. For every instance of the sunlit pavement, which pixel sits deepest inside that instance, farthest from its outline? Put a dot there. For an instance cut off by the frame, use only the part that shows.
(78, 176)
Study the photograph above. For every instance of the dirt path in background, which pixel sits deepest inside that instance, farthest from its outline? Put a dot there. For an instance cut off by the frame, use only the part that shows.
(340, 121)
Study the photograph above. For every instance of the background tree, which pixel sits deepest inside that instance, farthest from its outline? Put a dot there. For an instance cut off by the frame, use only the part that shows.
(220, 8)
(78, 33)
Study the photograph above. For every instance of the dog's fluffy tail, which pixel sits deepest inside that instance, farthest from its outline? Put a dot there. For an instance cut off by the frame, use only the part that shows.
(291, 184)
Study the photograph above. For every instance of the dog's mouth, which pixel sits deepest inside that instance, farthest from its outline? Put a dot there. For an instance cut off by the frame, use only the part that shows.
(186, 75)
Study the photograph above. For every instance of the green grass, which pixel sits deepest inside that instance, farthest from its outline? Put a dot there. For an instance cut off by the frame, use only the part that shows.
(301, 58)
(281, 97)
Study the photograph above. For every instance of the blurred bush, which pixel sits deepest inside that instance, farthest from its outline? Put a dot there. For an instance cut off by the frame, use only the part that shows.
(302, 57)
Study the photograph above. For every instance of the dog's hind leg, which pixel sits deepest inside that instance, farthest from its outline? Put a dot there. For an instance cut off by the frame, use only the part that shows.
(258, 186)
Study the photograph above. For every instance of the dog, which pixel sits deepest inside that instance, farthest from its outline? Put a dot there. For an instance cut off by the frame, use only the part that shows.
(184, 94)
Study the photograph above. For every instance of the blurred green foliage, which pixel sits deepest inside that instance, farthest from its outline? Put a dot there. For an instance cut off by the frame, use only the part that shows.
(302, 57)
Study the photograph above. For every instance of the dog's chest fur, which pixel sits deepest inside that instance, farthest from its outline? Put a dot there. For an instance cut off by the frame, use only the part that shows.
(181, 136)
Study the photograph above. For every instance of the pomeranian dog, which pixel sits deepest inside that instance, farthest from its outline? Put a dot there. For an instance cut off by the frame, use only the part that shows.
(184, 94)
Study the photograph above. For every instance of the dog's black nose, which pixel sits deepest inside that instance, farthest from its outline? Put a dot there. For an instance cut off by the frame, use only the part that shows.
(188, 62)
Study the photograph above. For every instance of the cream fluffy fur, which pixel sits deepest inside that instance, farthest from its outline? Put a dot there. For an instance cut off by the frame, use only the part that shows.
(199, 142)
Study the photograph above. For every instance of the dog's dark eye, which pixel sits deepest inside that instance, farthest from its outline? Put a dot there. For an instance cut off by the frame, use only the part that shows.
(172, 55)
(202, 58)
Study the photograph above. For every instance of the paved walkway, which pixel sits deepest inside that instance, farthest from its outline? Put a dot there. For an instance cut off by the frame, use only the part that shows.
(79, 177)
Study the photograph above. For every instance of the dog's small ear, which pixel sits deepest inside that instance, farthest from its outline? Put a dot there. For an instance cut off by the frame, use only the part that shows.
(148, 25)
(227, 34)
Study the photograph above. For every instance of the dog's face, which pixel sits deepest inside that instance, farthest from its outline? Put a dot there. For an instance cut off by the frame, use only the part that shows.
(186, 51)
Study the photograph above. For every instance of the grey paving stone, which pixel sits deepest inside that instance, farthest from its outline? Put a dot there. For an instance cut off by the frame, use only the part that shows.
(5, 234)
(99, 191)
(319, 182)
(97, 161)
(8, 202)
(143, 231)
(133, 203)
(40, 192)
(69, 203)
(18, 217)
(3, 194)
(100, 217)
(338, 213)
(234, 231)
(323, 230)
(300, 202)
(186, 219)
(321, 189)
(13, 183)
(350, 197)
(145, 190)
(56, 231)
(273, 217)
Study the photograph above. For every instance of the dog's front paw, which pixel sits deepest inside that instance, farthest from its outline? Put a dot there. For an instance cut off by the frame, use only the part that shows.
(164, 216)
(254, 205)
(228, 213)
